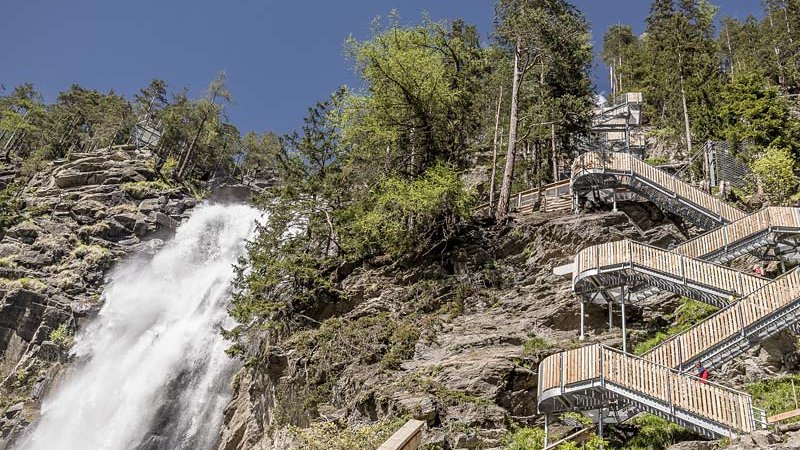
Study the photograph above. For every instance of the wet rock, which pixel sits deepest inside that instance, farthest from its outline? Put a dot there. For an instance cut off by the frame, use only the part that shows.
(53, 266)
(151, 204)
(166, 221)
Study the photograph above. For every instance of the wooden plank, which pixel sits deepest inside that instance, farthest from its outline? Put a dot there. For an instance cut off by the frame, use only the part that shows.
(408, 437)
(784, 415)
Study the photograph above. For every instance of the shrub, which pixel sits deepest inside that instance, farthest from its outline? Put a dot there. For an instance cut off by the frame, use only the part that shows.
(775, 396)
(31, 284)
(61, 336)
(775, 170)
(656, 160)
(655, 433)
(144, 189)
(8, 263)
(525, 439)
(168, 167)
(689, 313)
(11, 206)
(92, 254)
(535, 346)
(404, 214)
(329, 436)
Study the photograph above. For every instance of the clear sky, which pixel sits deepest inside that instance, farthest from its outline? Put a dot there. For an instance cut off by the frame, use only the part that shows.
(280, 56)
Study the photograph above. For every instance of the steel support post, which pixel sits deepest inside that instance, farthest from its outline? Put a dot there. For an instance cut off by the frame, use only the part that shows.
(624, 330)
(614, 197)
(546, 430)
(583, 314)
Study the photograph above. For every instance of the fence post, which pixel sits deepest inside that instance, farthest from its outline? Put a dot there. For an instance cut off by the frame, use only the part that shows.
(602, 365)
(741, 317)
(741, 284)
(683, 268)
(669, 393)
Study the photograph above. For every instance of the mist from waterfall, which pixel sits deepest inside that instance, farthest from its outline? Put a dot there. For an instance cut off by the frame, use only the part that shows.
(151, 371)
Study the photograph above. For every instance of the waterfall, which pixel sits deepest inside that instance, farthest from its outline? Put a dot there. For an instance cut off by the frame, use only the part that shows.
(150, 371)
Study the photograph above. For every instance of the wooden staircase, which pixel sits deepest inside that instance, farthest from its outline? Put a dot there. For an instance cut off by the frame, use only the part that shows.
(596, 171)
(595, 378)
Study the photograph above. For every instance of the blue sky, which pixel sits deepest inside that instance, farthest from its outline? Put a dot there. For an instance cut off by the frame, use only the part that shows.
(280, 56)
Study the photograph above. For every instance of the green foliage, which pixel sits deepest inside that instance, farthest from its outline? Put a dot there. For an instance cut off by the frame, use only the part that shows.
(775, 171)
(689, 313)
(169, 166)
(533, 439)
(7, 262)
(775, 396)
(61, 336)
(329, 436)
(11, 206)
(594, 442)
(535, 346)
(31, 284)
(655, 433)
(413, 118)
(95, 255)
(145, 189)
(525, 439)
(576, 417)
(754, 113)
(657, 160)
(406, 214)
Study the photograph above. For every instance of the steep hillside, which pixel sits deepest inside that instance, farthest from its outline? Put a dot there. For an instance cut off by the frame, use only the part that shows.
(453, 338)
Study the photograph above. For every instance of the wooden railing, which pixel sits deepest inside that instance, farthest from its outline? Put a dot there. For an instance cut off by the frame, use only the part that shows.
(728, 322)
(734, 232)
(408, 437)
(627, 254)
(626, 164)
(672, 389)
(528, 198)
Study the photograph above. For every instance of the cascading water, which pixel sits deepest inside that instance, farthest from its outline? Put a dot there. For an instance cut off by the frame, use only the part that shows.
(151, 371)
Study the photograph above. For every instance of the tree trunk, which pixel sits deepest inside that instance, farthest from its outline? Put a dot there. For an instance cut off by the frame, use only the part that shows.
(686, 122)
(555, 155)
(508, 173)
(730, 49)
(494, 150)
(189, 150)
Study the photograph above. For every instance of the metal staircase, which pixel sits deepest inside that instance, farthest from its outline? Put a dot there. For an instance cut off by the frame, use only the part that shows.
(593, 171)
(597, 379)
(625, 263)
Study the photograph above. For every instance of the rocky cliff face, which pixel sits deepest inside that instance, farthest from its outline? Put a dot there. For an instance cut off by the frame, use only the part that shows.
(487, 309)
(81, 215)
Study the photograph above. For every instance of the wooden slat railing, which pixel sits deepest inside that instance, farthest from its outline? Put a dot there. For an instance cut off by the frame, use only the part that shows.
(626, 164)
(624, 255)
(528, 198)
(728, 322)
(740, 230)
(672, 389)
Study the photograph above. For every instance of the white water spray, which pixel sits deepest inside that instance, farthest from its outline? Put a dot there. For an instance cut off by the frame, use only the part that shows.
(151, 372)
